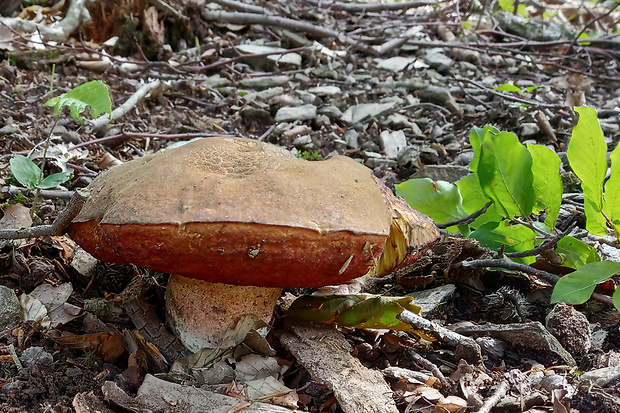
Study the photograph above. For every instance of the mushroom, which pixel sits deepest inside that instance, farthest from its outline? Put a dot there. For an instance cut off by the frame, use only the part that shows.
(235, 220)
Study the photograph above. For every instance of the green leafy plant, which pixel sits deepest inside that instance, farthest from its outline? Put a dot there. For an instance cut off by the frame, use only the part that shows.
(517, 191)
(91, 97)
(309, 156)
(28, 173)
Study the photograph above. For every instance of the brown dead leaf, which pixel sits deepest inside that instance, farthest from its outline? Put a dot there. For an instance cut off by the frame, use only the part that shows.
(105, 345)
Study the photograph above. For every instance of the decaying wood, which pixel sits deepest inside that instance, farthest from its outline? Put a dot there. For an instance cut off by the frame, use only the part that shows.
(326, 354)
(160, 396)
(147, 322)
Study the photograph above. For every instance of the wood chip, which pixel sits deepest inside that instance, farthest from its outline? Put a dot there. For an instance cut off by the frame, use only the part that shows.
(326, 354)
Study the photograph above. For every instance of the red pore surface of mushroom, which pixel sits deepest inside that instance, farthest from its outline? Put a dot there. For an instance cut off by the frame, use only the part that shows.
(238, 211)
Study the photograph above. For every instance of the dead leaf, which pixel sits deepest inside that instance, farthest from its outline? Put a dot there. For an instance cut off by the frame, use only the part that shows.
(54, 299)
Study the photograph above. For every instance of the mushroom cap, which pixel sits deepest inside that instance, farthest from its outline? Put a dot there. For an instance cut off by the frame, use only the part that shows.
(237, 211)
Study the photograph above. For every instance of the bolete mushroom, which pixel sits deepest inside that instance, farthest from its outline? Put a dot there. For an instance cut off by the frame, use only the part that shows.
(235, 220)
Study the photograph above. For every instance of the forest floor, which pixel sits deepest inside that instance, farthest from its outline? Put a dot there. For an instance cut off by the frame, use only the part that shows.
(396, 86)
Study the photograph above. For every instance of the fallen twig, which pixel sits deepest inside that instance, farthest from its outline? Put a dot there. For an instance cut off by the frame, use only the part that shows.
(269, 20)
(510, 265)
(373, 7)
(148, 135)
(125, 107)
(55, 228)
(469, 349)
(500, 392)
(465, 220)
(45, 193)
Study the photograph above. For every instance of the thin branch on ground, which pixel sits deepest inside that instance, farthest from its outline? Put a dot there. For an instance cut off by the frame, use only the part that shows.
(448, 337)
(243, 7)
(127, 106)
(465, 220)
(372, 7)
(500, 392)
(55, 228)
(125, 135)
(510, 265)
(285, 23)
(45, 193)
(425, 364)
(511, 97)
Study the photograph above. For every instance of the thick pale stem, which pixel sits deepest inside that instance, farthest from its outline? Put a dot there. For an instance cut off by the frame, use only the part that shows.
(200, 312)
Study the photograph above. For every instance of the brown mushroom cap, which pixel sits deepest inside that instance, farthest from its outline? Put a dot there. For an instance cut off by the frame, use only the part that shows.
(237, 211)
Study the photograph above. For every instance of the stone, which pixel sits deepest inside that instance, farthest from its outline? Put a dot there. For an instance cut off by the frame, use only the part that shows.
(571, 328)
(392, 142)
(438, 60)
(528, 130)
(330, 111)
(532, 335)
(264, 82)
(448, 173)
(36, 357)
(428, 300)
(366, 111)
(325, 90)
(9, 306)
(601, 377)
(292, 113)
(396, 63)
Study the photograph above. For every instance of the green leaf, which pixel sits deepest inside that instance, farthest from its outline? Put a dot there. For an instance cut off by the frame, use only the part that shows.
(509, 6)
(505, 174)
(94, 94)
(358, 311)
(52, 181)
(578, 286)
(508, 87)
(474, 199)
(440, 200)
(616, 299)
(611, 200)
(476, 136)
(587, 157)
(547, 181)
(25, 171)
(577, 253)
(515, 238)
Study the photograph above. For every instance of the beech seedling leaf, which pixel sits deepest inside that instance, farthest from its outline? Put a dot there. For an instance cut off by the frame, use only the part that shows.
(52, 181)
(611, 202)
(515, 238)
(576, 253)
(25, 171)
(547, 182)
(505, 174)
(94, 94)
(578, 286)
(439, 200)
(587, 157)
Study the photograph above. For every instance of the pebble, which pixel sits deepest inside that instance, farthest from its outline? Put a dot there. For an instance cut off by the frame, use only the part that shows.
(392, 142)
(264, 82)
(9, 306)
(36, 357)
(330, 111)
(325, 90)
(292, 113)
(571, 328)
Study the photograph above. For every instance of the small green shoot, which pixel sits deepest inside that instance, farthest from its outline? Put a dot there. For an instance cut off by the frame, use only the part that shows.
(91, 97)
(28, 173)
(309, 156)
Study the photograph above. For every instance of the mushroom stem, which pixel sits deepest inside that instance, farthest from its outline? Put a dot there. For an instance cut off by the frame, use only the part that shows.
(200, 313)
